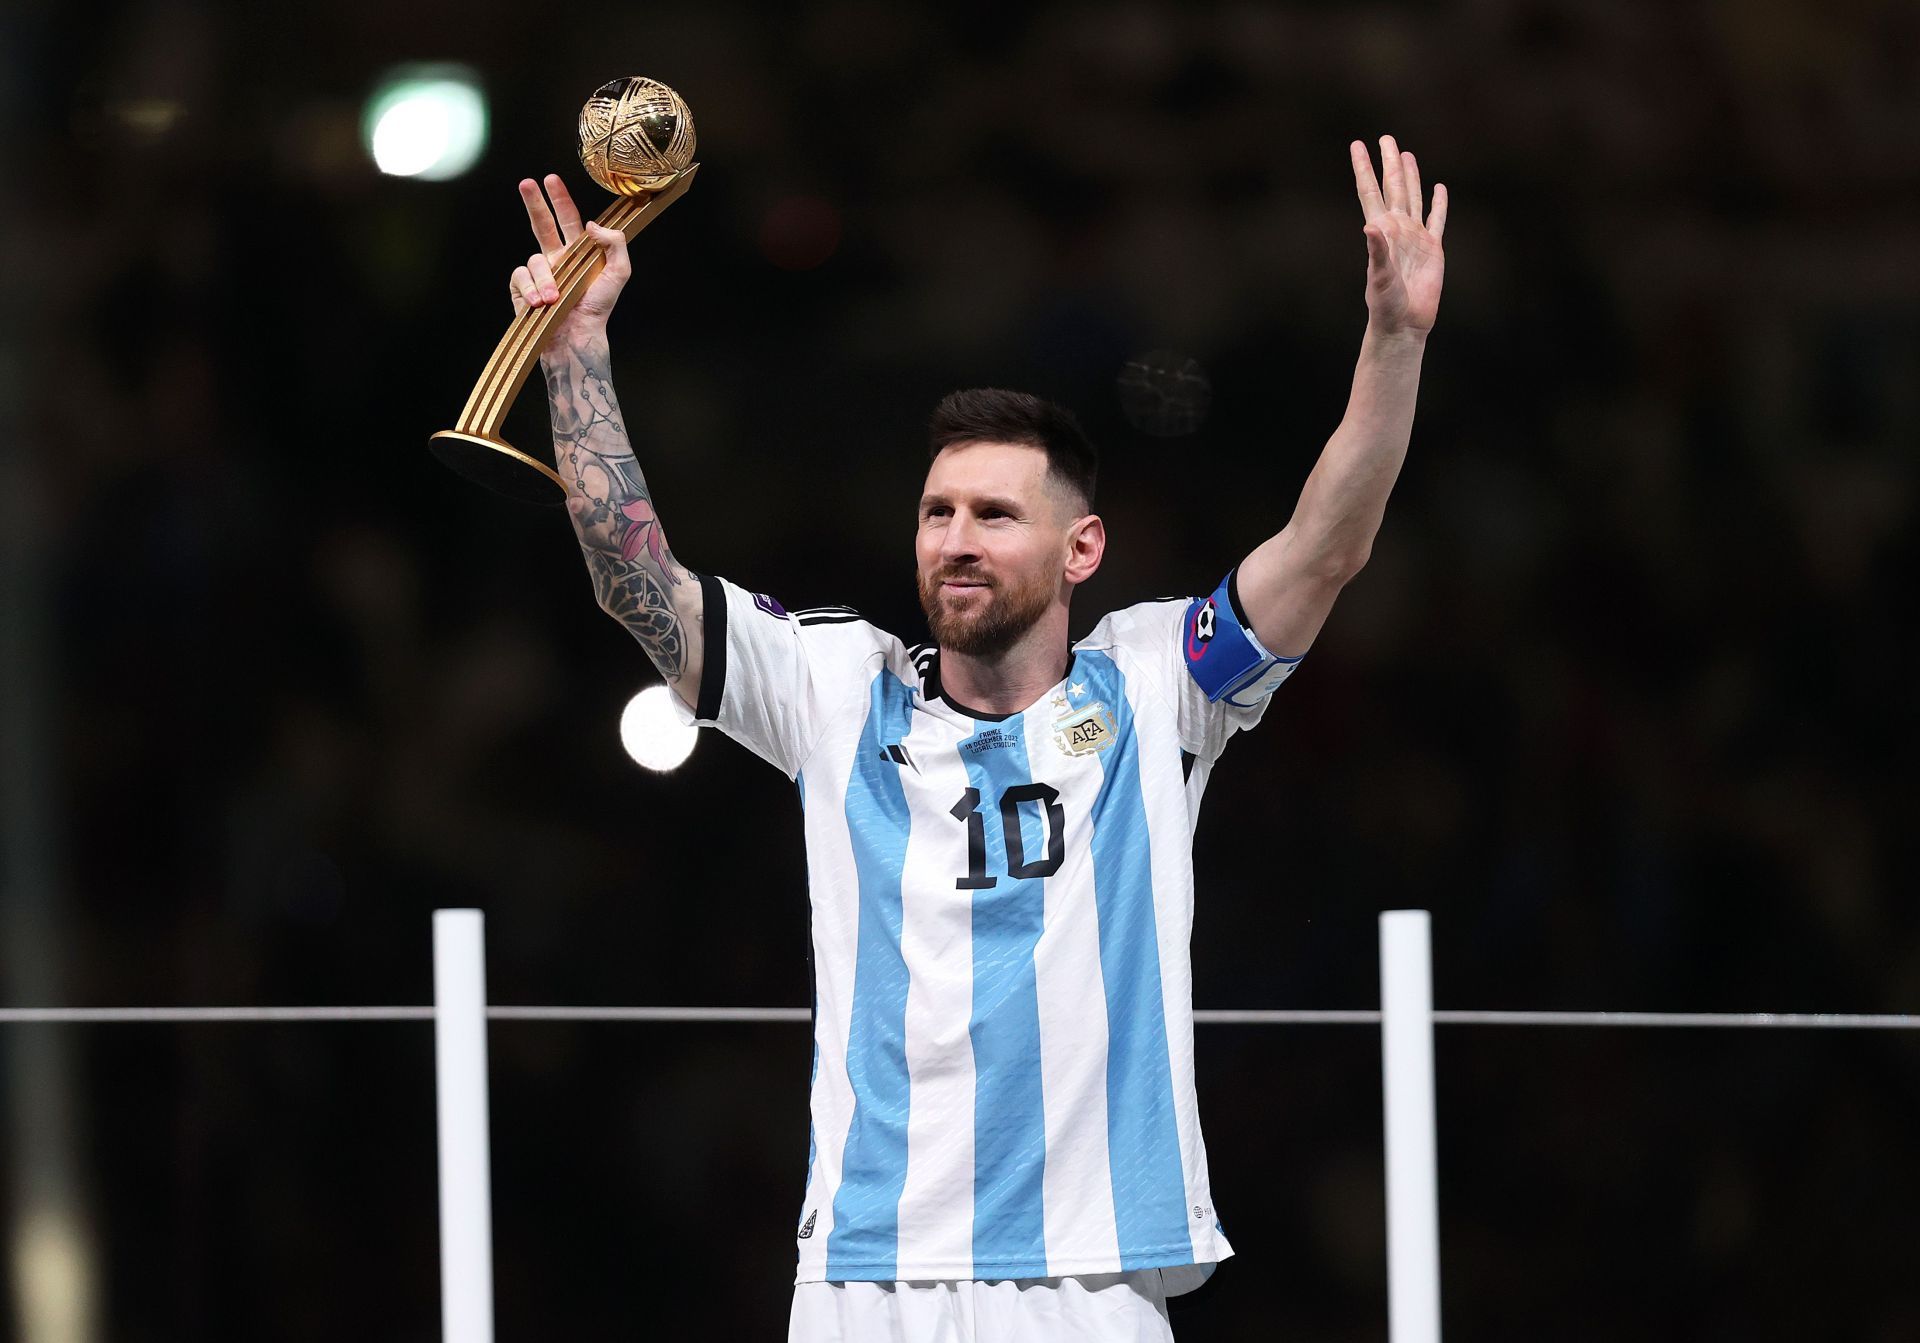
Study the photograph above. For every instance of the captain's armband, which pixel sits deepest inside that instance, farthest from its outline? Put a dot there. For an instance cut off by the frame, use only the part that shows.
(1224, 657)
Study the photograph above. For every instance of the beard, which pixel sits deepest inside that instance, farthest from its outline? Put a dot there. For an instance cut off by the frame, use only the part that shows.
(987, 626)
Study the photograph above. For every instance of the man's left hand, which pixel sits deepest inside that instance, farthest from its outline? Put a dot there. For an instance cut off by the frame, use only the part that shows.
(1405, 265)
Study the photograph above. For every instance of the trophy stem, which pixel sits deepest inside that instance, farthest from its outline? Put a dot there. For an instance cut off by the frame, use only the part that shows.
(579, 264)
(473, 447)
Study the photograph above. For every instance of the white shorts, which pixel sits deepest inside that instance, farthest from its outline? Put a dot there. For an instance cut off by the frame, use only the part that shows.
(1091, 1308)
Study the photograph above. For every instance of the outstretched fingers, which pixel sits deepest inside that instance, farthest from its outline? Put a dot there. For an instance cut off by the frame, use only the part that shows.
(545, 231)
(1368, 187)
(1392, 175)
(1402, 191)
(564, 210)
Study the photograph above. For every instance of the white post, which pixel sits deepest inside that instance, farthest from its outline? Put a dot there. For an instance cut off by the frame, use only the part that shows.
(460, 1073)
(1406, 1056)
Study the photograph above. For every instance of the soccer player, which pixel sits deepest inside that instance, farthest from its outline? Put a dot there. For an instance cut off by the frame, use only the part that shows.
(998, 824)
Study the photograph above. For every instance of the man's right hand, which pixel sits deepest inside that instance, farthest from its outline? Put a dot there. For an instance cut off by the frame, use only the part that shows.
(636, 579)
(555, 226)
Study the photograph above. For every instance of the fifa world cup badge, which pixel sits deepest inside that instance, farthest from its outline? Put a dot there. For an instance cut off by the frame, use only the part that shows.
(1085, 728)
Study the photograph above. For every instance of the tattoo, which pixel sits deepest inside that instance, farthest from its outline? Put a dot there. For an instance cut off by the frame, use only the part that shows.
(634, 573)
(630, 594)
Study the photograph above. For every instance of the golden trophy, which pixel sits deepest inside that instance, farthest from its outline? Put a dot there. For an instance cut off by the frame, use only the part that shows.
(636, 140)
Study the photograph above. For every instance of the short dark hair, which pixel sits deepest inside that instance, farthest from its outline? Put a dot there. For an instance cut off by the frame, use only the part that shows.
(995, 415)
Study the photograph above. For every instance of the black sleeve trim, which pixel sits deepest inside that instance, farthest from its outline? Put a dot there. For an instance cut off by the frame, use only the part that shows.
(1233, 597)
(713, 660)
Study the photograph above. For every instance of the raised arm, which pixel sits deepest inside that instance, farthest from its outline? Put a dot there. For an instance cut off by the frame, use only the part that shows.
(1288, 584)
(635, 576)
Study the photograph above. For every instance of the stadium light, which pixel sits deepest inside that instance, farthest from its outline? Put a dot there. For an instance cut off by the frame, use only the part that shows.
(653, 734)
(426, 121)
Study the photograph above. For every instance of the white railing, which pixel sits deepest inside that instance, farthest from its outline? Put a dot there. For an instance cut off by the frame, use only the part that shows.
(1406, 1018)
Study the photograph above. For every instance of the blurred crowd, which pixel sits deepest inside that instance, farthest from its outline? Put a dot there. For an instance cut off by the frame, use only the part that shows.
(1621, 696)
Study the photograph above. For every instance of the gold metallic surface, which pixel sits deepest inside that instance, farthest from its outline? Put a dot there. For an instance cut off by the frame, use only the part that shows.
(635, 134)
(496, 464)
(468, 446)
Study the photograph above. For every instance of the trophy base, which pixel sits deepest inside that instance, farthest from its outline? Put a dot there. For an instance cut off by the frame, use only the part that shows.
(501, 467)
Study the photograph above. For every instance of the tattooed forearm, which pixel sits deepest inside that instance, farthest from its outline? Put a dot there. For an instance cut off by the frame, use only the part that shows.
(630, 594)
(635, 576)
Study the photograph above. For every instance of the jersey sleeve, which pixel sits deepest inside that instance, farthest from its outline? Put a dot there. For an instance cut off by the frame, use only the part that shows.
(1206, 660)
(770, 679)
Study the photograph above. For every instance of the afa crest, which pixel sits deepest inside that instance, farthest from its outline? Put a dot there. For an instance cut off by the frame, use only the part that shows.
(1085, 729)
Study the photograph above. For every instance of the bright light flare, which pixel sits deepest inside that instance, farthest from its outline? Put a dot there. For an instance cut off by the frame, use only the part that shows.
(653, 733)
(426, 122)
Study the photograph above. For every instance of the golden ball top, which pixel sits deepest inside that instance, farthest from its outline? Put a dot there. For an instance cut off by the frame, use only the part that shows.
(635, 134)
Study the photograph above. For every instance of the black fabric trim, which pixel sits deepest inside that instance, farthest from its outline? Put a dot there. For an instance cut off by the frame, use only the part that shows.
(1233, 597)
(829, 620)
(935, 691)
(1186, 765)
(981, 714)
(713, 658)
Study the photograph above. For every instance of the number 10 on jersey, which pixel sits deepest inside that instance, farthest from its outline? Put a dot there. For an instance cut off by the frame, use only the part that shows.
(1053, 818)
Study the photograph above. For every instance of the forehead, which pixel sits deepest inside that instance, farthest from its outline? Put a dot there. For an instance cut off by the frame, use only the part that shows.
(1010, 470)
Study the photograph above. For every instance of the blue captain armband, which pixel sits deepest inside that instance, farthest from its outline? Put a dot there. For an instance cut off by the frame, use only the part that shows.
(1223, 655)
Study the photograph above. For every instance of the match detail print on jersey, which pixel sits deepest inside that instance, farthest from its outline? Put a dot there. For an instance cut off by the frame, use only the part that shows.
(1001, 913)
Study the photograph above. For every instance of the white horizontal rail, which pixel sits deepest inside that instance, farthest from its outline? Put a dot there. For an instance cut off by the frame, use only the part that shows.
(1228, 1016)
(1832, 1021)
(33, 1016)
(650, 1013)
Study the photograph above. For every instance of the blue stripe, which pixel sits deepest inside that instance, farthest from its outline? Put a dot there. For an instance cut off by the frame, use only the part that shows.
(865, 1240)
(1143, 1137)
(1009, 1123)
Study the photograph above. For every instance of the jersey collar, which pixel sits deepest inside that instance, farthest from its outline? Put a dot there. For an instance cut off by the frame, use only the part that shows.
(932, 692)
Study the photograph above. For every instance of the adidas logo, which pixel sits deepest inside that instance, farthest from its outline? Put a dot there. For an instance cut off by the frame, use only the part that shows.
(898, 755)
(806, 1229)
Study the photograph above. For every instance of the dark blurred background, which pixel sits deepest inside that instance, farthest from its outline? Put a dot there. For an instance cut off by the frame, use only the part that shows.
(1624, 696)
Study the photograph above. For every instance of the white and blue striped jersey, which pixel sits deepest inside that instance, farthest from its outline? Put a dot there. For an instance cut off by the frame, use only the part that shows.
(1001, 908)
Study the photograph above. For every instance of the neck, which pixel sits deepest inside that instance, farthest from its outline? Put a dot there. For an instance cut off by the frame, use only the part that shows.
(1012, 681)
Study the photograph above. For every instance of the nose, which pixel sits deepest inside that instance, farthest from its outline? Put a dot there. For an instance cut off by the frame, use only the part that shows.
(960, 542)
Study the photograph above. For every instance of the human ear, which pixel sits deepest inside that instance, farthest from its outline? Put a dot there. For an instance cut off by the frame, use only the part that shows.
(1086, 544)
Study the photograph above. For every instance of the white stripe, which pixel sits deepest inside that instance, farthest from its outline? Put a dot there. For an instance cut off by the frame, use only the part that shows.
(1165, 795)
(936, 936)
(834, 892)
(1080, 1226)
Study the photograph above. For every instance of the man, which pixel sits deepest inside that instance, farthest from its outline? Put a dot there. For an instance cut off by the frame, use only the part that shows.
(999, 825)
